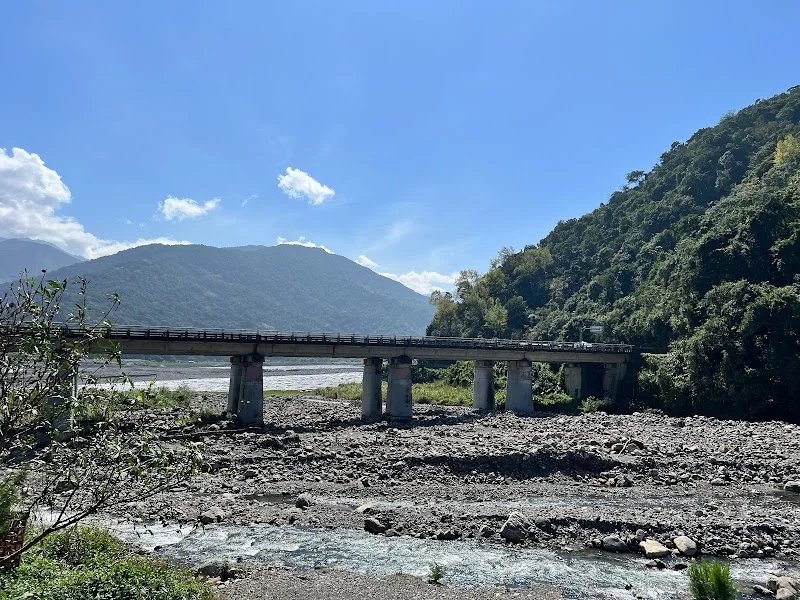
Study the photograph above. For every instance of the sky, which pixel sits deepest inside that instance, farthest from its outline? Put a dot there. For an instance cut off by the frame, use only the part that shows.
(418, 138)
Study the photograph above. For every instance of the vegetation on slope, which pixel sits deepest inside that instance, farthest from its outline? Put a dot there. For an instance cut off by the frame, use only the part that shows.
(286, 287)
(701, 255)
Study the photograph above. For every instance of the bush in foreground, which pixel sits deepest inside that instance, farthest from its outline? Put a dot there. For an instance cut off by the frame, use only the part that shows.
(86, 563)
(711, 581)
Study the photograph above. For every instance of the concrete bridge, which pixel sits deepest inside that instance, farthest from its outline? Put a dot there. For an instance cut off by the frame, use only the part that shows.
(247, 350)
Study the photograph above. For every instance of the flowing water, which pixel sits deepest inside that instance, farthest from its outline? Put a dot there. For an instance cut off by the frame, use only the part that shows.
(581, 575)
(216, 378)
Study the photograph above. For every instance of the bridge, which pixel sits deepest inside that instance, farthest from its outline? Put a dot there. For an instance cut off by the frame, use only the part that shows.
(247, 350)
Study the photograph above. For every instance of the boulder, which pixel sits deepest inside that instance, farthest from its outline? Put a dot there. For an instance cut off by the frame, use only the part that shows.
(613, 543)
(304, 500)
(366, 508)
(447, 534)
(485, 531)
(373, 525)
(654, 549)
(543, 523)
(785, 594)
(516, 528)
(792, 486)
(213, 515)
(686, 545)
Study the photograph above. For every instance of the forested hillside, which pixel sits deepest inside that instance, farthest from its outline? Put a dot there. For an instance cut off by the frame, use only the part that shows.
(287, 287)
(17, 255)
(701, 254)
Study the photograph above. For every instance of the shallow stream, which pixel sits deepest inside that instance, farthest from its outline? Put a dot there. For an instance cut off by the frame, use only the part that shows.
(581, 575)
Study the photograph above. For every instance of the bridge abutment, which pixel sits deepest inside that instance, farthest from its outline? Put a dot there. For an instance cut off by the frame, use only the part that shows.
(519, 393)
(398, 398)
(483, 386)
(573, 381)
(250, 410)
(371, 392)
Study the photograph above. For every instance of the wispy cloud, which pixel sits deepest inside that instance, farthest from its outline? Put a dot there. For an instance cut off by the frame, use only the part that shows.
(247, 200)
(366, 261)
(31, 194)
(178, 209)
(299, 184)
(302, 241)
(424, 282)
(396, 232)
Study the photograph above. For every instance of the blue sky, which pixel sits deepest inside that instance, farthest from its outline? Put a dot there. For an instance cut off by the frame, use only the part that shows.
(423, 136)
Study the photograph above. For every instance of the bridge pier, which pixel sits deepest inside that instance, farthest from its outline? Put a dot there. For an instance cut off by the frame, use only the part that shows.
(398, 397)
(519, 393)
(250, 409)
(371, 392)
(573, 381)
(235, 385)
(483, 386)
(612, 375)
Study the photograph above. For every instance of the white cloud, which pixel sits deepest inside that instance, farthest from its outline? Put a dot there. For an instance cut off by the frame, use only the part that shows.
(178, 209)
(396, 232)
(297, 184)
(30, 195)
(250, 197)
(424, 282)
(302, 241)
(366, 261)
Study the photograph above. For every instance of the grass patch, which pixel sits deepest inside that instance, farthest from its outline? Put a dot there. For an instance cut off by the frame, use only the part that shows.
(101, 404)
(437, 392)
(711, 581)
(85, 563)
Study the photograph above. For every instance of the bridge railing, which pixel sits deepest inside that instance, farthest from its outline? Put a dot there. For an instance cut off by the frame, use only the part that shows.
(121, 333)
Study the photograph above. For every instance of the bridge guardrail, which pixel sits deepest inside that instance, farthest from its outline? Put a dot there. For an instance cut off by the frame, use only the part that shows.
(121, 333)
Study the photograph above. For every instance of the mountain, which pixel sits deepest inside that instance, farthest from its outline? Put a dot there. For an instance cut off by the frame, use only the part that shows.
(17, 255)
(286, 287)
(701, 255)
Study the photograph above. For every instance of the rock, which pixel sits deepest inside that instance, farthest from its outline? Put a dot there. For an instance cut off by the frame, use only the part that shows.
(787, 583)
(792, 486)
(485, 531)
(772, 583)
(391, 533)
(613, 543)
(654, 549)
(447, 534)
(373, 525)
(211, 570)
(304, 500)
(213, 515)
(250, 474)
(516, 528)
(655, 564)
(760, 589)
(543, 523)
(785, 594)
(686, 545)
(679, 566)
(366, 508)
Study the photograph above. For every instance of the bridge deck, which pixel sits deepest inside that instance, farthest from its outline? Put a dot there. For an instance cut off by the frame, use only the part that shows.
(221, 342)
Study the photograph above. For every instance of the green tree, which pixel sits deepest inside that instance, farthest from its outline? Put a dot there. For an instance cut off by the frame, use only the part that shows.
(70, 466)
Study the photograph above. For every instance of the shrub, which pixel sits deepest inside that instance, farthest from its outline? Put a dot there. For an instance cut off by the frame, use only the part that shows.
(711, 581)
(87, 563)
(435, 574)
(592, 404)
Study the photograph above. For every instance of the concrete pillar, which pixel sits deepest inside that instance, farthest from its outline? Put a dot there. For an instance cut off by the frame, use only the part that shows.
(235, 385)
(371, 393)
(398, 398)
(612, 375)
(251, 404)
(483, 387)
(573, 381)
(519, 393)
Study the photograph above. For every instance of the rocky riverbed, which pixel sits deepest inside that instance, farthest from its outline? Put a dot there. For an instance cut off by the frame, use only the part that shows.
(664, 488)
